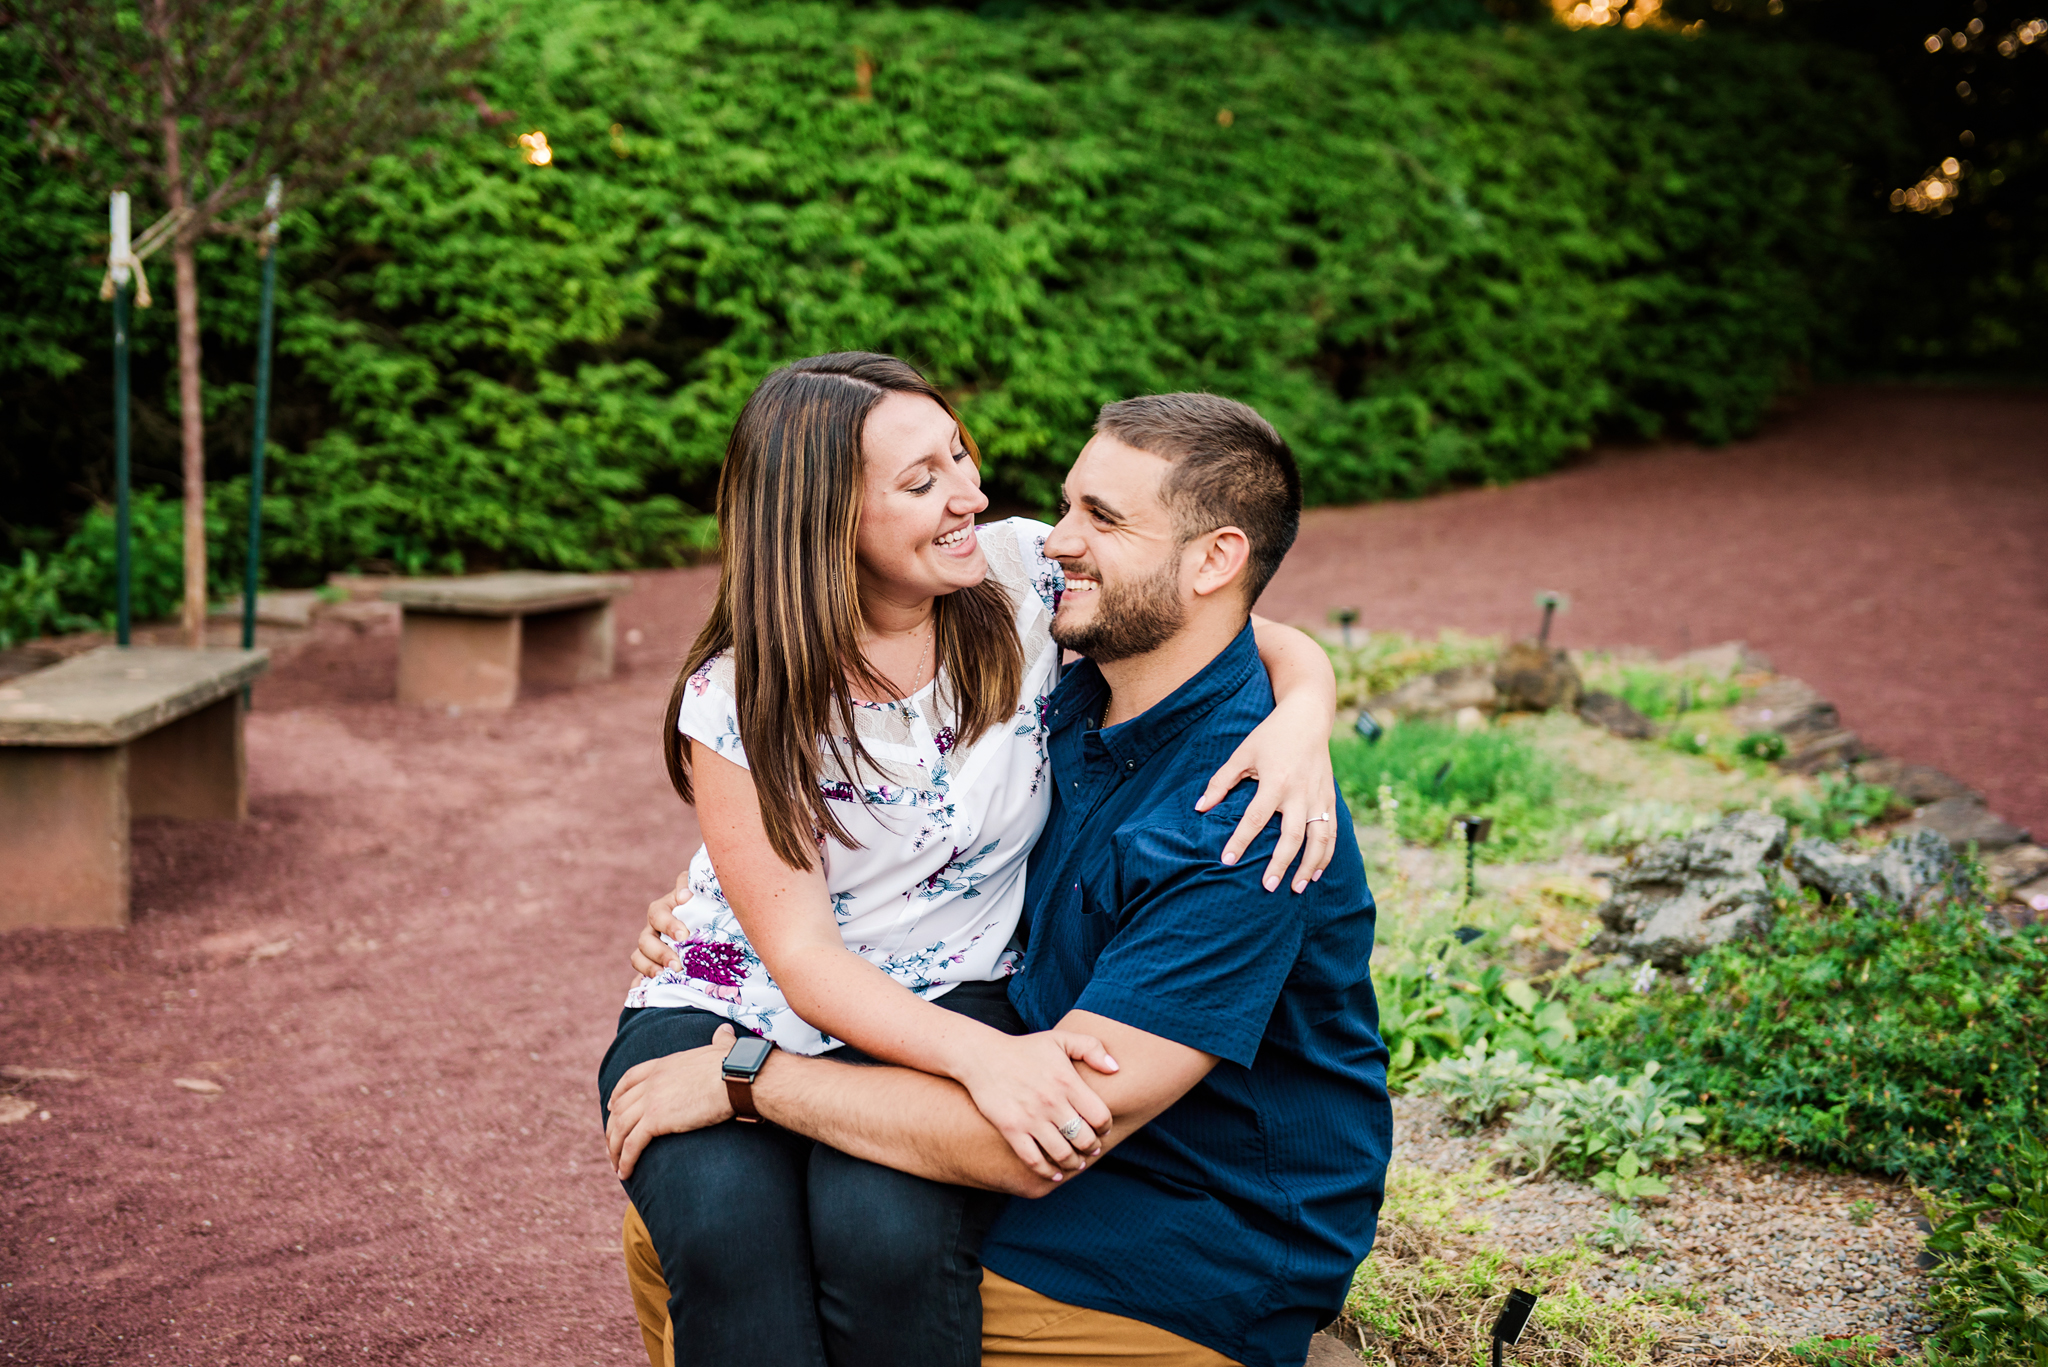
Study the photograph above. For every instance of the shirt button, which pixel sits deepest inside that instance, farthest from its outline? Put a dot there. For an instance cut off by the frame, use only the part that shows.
(1130, 764)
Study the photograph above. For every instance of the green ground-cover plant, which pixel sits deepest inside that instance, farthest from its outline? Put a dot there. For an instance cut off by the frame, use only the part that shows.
(1477, 1086)
(1624, 1231)
(1664, 694)
(1430, 1010)
(1856, 1036)
(1381, 661)
(1432, 771)
(1991, 1287)
(1837, 808)
(1611, 1131)
(1854, 1350)
(1434, 1285)
(1432, 258)
(1641, 821)
(1620, 1129)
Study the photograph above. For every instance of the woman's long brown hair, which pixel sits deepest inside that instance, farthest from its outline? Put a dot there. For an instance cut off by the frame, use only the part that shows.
(788, 608)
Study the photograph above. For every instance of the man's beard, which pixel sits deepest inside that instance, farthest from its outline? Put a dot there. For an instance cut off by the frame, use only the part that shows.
(1130, 619)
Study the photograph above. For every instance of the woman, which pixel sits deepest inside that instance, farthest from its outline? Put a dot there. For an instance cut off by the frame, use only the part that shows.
(868, 802)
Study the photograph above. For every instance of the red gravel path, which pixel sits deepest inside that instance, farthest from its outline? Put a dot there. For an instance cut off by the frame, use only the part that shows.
(404, 1163)
(1888, 546)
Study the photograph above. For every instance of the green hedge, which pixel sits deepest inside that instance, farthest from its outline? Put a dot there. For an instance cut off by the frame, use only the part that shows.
(1431, 258)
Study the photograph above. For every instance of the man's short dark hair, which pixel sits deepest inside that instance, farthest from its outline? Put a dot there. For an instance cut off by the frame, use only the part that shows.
(1230, 469)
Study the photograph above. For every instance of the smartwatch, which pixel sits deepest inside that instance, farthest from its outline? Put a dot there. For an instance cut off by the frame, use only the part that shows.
(742, 1065)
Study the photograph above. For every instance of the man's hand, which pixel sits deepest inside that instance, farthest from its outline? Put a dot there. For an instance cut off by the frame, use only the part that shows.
(651, 955)
(672, 1095)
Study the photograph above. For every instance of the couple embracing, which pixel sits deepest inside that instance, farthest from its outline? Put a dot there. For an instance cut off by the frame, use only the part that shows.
(980, 1030)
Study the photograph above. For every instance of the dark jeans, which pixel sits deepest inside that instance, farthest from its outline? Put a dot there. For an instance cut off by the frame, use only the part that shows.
(782, 1252)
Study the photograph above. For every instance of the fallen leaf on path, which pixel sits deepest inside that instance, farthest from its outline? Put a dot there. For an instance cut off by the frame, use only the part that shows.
(18, 1073)
(13, 1108)
(270, 951)
(200, 1085)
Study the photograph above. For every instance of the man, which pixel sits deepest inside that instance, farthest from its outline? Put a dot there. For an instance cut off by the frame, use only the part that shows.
(1223, 1212)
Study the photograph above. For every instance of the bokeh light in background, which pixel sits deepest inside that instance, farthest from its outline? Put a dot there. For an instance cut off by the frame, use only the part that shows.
(1937, 191)
(1628, 14)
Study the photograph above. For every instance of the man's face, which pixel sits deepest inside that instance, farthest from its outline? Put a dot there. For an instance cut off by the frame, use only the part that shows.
(1123, 560)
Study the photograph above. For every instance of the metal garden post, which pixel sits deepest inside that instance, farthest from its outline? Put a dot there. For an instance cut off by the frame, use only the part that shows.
(118, 265)
(263, 338)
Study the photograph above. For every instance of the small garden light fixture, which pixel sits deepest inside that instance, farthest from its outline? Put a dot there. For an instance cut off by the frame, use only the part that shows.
(1552, 602)
(1368, 727)
(1513, 1318)
(1473, 829)
(1345, 618)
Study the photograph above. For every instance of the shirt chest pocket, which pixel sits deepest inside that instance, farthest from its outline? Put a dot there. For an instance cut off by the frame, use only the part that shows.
(1098, 901)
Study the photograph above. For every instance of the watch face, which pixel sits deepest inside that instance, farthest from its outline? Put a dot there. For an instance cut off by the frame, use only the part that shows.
(749, 1052)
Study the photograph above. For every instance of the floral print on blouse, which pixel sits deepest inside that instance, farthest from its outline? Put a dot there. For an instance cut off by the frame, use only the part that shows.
(933, 893)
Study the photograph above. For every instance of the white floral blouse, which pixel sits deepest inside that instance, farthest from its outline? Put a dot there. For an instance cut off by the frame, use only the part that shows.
(933, 893)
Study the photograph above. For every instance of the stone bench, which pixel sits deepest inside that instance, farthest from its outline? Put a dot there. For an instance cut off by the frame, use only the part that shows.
(85, 745)
(472, 642)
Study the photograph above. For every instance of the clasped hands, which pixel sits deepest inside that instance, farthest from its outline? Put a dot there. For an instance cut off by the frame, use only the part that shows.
(686, 1091)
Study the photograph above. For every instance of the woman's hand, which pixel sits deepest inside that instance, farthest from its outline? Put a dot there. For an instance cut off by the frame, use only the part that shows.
(1289, 754)
(651, 955)
(1027, 1087)
(671, 1095)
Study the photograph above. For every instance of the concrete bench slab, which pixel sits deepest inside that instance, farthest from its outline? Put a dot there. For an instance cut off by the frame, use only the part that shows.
(87, 744)
(110, 696)
(475, 641)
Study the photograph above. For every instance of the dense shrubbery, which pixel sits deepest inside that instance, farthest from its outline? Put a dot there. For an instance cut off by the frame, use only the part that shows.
(1856, 1036)
(73, 590)
(1430, 258)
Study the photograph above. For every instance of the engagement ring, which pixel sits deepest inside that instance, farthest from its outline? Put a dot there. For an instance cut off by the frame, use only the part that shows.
(1314, 819)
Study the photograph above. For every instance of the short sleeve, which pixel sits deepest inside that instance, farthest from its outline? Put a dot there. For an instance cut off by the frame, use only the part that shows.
(1015, 548)
(709, 713)
(1203, 952)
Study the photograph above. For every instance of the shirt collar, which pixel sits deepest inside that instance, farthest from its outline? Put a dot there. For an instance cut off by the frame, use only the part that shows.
(1080, 697)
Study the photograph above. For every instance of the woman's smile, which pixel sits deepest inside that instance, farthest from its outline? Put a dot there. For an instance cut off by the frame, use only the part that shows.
(961, 541)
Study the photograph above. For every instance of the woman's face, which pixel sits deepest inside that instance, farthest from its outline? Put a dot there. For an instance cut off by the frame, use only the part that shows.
(917, 537)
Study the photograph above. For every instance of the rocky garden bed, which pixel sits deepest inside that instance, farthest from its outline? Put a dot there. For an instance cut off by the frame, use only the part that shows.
(1702, 1016)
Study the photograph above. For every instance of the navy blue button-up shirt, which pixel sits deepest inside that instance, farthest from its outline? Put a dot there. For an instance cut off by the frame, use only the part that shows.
(1237, 1217)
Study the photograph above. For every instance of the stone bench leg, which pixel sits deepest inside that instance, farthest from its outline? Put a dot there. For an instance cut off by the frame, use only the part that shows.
(447, 659)
(194, 768)
(564, 649)
(63, 837)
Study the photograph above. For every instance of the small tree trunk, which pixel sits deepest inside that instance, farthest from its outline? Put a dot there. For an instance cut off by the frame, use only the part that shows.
(192, 416)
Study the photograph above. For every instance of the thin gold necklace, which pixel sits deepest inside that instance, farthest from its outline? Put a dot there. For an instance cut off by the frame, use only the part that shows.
(917, 675)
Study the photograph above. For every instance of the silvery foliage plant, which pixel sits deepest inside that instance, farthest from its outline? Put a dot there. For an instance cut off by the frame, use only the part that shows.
(1478, 1086)
(1613, 1129)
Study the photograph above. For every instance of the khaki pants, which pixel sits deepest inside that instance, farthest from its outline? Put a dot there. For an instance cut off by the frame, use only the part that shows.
(1019, 1328)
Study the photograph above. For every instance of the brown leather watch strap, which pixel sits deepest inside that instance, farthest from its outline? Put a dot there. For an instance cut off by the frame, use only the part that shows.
(740, 1092)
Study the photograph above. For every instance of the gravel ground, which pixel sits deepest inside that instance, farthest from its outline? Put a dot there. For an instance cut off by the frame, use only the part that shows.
(1771, 1245)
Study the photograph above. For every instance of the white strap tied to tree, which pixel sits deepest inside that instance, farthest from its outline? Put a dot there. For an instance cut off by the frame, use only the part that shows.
(125, 257)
